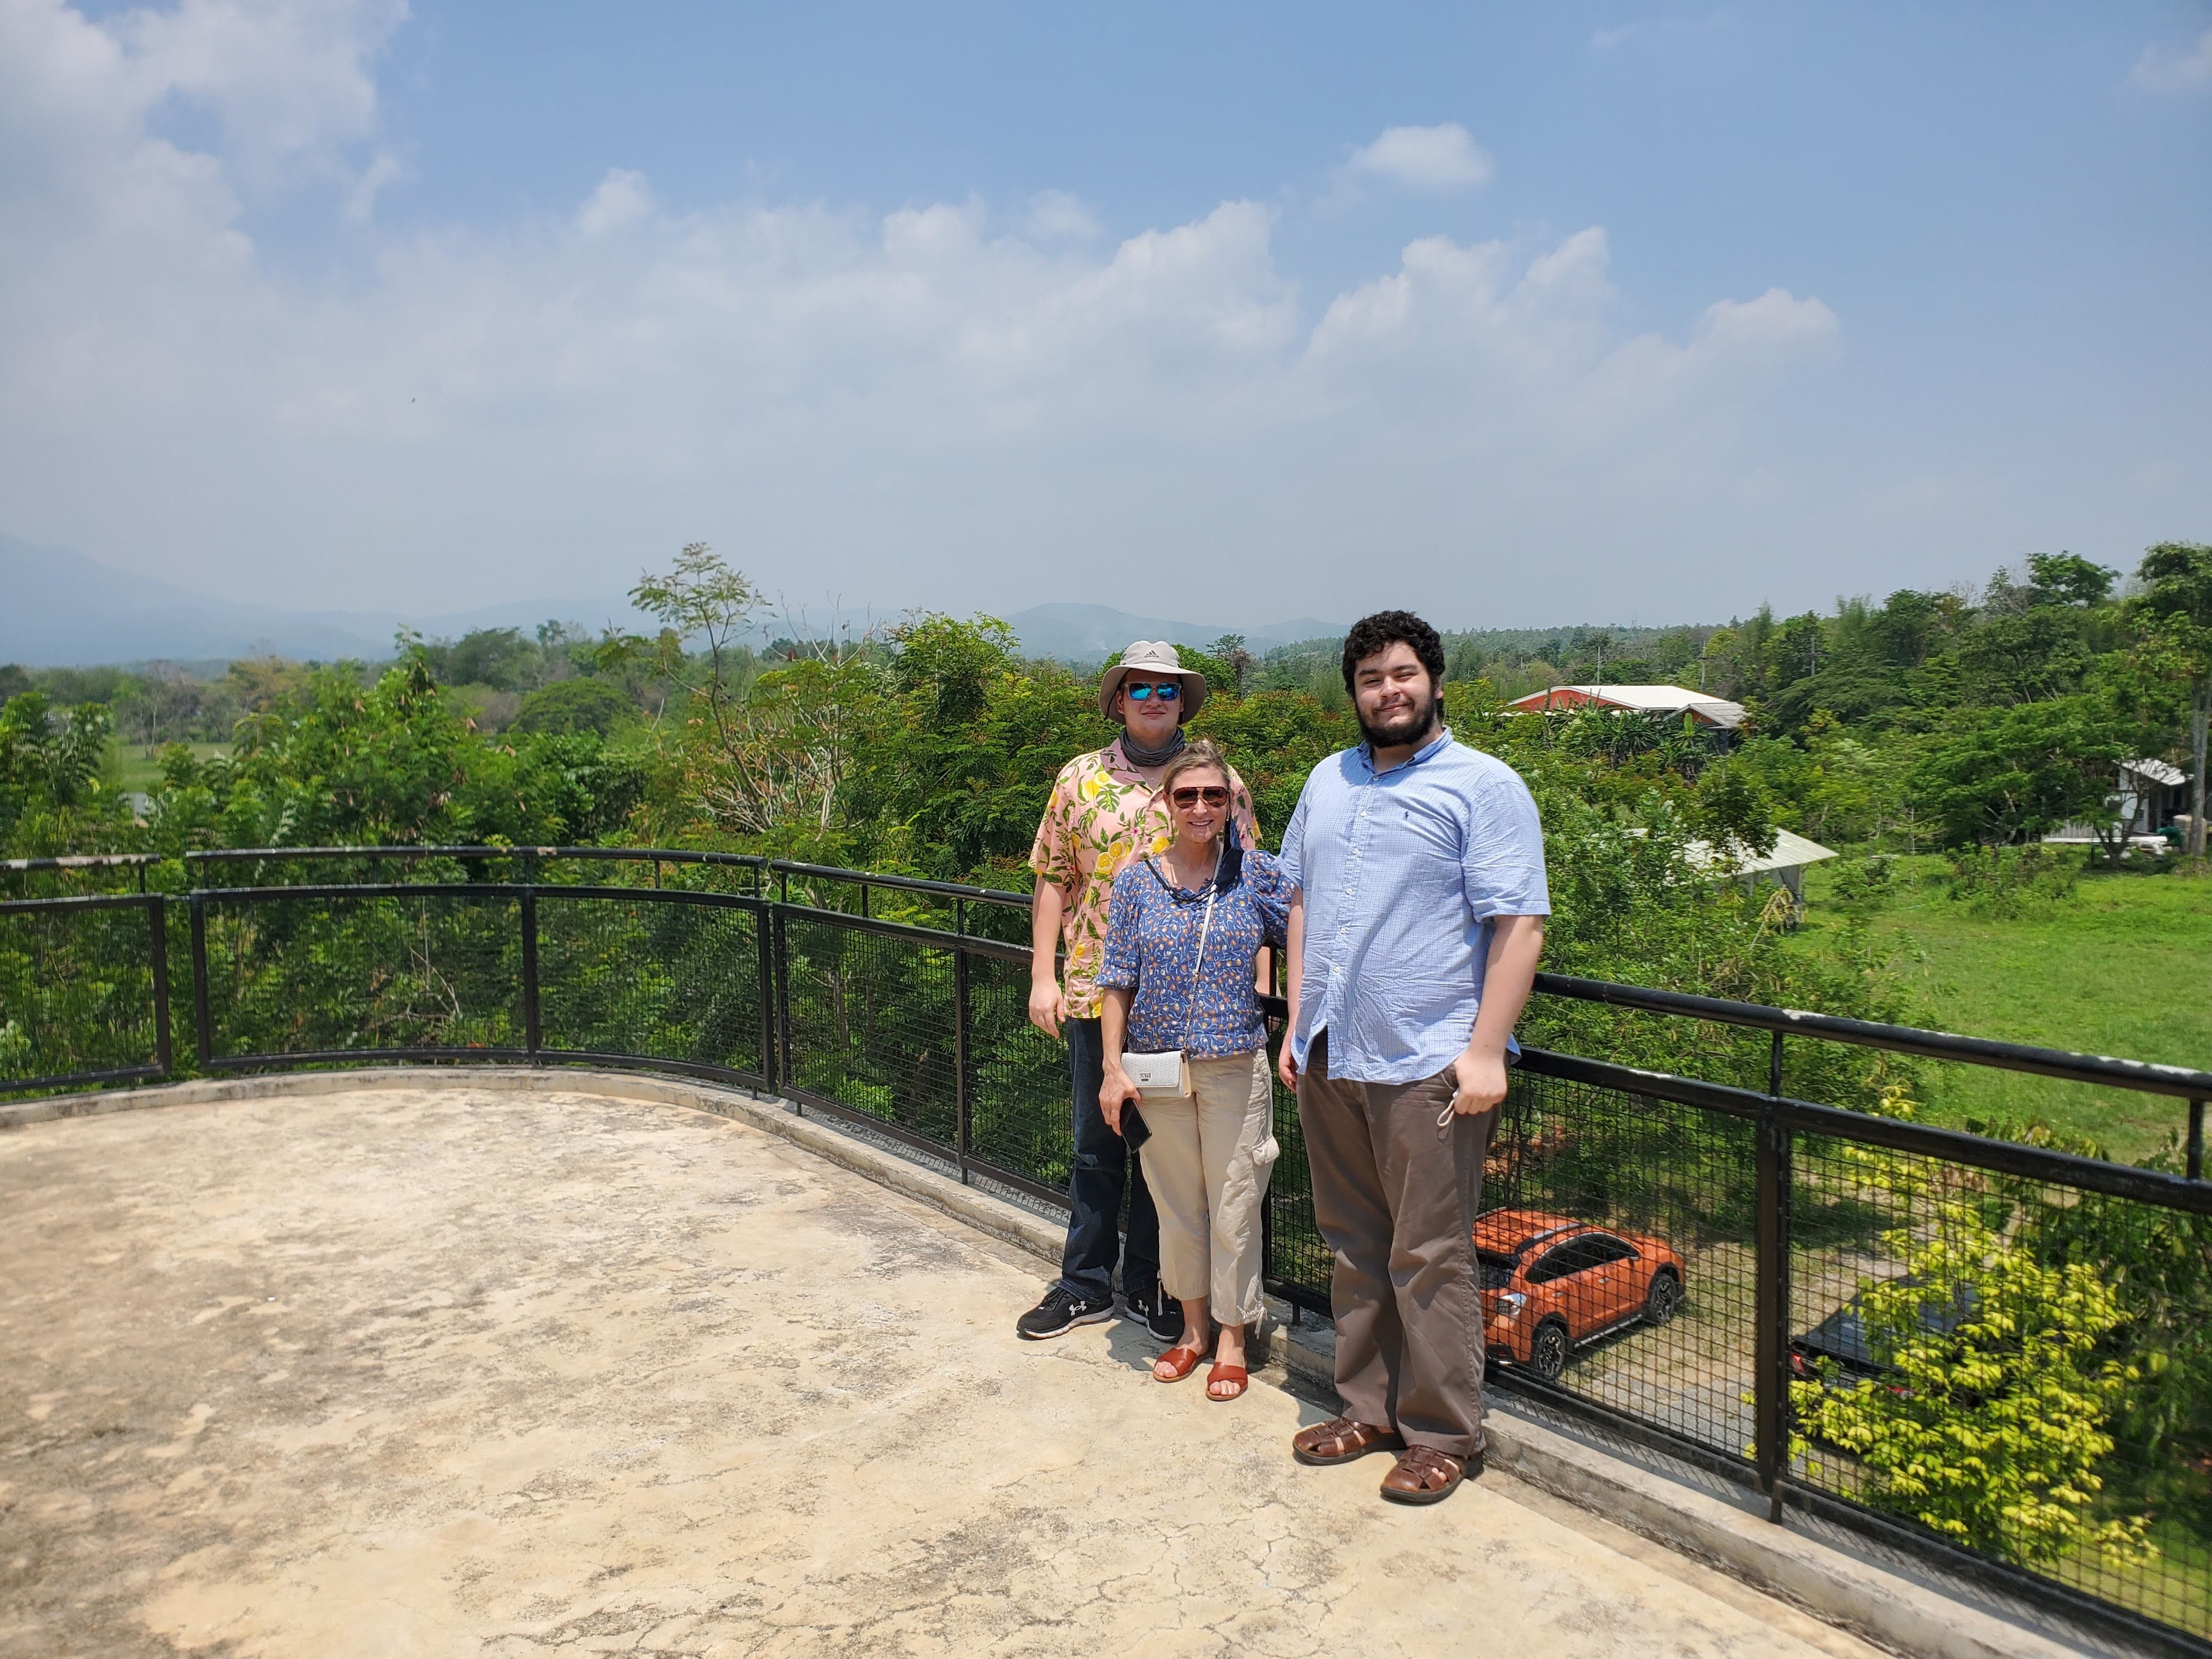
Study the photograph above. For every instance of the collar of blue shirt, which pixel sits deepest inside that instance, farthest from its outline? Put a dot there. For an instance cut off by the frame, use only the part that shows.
(1435, 746)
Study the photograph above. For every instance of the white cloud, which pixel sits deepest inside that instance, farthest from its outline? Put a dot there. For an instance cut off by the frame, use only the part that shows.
(2177, 68)
(1658, 31)
(622, 198)
(918, 406)
(361, 196)
(1054, 215)
(1438, 158)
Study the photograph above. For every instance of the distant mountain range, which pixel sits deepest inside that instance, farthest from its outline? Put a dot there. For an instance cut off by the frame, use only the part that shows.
(1084, 633)
(58, 608)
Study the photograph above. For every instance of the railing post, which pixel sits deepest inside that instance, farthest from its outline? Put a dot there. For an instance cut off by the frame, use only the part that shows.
(785, 1069)
(962, 1135)
(157, 918)
(1771, 1355)
(2196, 1166)
(764, 964)
(533, 1030)
(203, 1030)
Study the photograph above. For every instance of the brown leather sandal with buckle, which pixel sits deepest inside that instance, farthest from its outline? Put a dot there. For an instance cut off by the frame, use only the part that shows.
(1424, 1475)
(1233, 1375)
(1340, 1440)
(1180, 1360)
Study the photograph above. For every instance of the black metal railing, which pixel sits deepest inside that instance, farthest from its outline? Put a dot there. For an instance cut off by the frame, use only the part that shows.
(1795, 1349)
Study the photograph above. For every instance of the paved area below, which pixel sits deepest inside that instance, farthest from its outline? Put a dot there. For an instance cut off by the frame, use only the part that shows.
(444, 1372)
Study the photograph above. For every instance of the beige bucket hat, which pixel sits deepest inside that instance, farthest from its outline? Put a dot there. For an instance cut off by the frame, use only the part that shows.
(1155, 659)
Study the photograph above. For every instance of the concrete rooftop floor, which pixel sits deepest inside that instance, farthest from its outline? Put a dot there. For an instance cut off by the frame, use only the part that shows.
(444, 1371)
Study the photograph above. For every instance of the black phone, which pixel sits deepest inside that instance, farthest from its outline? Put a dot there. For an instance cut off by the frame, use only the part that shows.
(1135, 1129)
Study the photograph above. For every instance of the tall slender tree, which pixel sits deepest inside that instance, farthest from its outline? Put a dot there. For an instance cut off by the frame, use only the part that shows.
(2176, 606)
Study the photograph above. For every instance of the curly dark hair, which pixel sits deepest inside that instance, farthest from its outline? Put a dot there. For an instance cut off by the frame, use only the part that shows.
(1378, 633)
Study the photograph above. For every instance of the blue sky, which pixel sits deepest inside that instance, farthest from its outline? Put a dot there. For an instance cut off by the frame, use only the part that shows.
(1519, 314)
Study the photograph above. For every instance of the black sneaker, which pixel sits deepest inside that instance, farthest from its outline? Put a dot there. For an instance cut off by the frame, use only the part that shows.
(1062, 1311)
(1160, 1313)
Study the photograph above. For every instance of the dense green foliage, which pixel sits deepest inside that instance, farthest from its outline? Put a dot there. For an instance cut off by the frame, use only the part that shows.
(2070, 1422)
(1925, 719)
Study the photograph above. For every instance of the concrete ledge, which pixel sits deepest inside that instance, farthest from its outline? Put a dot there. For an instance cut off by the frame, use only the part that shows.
(1897, 1612)
(989, 1214)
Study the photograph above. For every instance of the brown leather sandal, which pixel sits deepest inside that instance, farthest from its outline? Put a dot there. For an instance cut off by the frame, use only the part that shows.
(1181, 1361)
(1340, 1440)
(1424, 1475)
(1235, 1374)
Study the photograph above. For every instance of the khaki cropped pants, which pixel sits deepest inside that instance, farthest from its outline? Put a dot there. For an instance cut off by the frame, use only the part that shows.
(1207, 1164)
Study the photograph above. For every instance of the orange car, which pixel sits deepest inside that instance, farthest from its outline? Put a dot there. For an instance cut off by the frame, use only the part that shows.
(1550, 1283)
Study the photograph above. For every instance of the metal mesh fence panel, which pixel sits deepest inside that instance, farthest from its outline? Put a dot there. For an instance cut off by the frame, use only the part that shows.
(871, 1026)
(1298, 1260)
(1017, 1078)
(326, 973)
(2021, 1368)
(656, 977)
(1676, 1186)
(76, 992)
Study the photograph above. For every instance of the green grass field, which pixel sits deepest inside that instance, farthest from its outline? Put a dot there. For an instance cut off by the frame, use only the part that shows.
(2122, 966)
(131, 766)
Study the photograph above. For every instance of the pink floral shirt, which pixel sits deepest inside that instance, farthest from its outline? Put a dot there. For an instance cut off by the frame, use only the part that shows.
(1104, 812)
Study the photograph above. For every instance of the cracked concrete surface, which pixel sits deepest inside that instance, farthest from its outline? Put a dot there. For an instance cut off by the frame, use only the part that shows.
(443, 1372)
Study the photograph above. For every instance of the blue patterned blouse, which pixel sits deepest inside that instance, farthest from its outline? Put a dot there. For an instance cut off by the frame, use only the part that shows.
(1151, 948)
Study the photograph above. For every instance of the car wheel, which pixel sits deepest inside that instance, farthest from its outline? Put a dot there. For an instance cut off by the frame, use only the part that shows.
(1547, 1351)
(1662, 1299)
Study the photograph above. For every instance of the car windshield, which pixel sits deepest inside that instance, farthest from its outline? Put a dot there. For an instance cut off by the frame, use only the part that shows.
(1496, 1271)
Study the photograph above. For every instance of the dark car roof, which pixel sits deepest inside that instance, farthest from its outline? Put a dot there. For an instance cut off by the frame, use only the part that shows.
(1842, 1335)
(1511, 1231)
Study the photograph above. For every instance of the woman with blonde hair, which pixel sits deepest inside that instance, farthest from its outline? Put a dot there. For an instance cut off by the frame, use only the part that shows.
(1180, 1009)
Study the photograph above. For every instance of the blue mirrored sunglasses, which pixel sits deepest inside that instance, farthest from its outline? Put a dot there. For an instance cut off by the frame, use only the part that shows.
(1166, 693)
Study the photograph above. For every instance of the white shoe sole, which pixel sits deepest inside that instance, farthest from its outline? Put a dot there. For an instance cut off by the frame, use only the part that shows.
(1096, 1317)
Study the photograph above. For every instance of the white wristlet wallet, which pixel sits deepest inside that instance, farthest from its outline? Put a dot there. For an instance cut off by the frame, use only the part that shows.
(1158, 1077)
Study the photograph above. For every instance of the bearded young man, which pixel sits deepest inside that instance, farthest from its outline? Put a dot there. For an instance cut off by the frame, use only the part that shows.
(1105, 809)
(1414, 943)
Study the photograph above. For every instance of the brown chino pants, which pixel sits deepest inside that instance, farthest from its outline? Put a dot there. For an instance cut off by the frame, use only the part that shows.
(1395, 1197)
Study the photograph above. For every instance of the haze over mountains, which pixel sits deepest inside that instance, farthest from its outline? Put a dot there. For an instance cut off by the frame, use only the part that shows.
(58, 608)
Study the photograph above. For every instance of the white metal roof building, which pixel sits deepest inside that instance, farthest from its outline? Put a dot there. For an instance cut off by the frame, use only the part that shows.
(1717, 712)
(1784, 866)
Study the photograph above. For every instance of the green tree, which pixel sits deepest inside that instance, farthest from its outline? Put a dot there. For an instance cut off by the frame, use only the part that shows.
(956, 761)
(2072, 578)
(2175, 607)
(700, 597)
(2000, 775)
(51, 765)
(578, 704)
(1991, 1426)
(1230, 649)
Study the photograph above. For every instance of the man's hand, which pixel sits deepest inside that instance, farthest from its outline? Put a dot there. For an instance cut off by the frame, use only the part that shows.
(1286, 1066)
(1048, 1007)
(1479, 1072)
(1114, 1093)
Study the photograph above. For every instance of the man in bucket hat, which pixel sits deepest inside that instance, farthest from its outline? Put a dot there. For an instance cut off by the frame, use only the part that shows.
(1105, 809)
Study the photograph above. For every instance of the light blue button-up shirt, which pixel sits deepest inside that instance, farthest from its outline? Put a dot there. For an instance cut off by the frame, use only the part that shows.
(1402, 871)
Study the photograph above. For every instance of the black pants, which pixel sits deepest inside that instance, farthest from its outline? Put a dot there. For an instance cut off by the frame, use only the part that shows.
(1104, 1165)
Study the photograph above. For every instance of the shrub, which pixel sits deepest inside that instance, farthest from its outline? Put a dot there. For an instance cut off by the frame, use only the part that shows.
(2012, 881)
